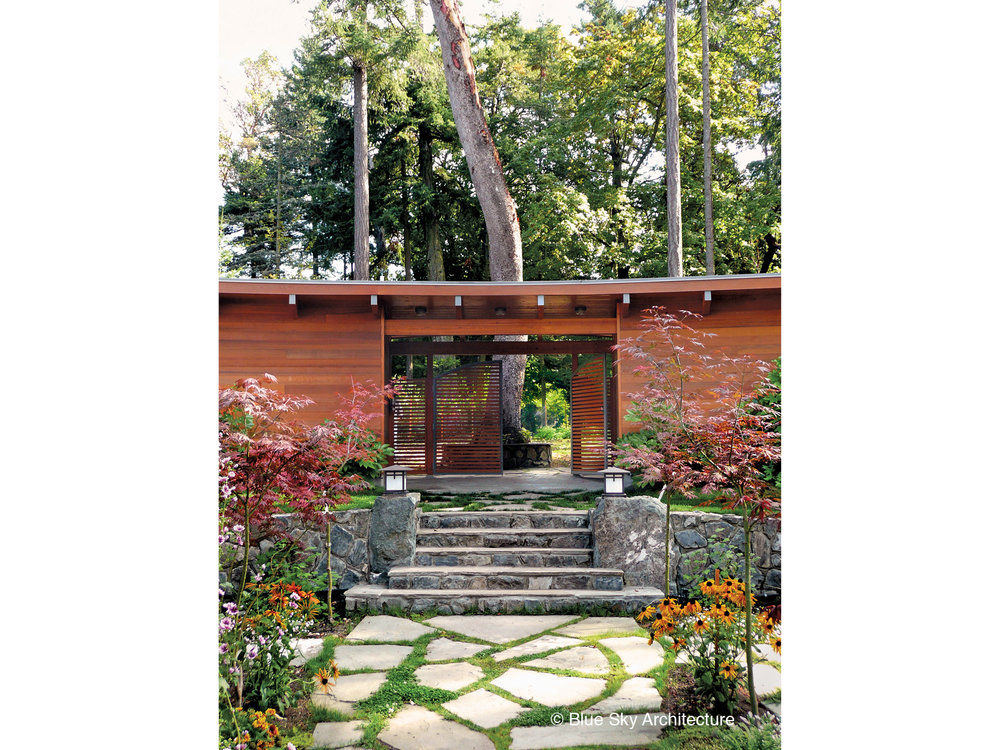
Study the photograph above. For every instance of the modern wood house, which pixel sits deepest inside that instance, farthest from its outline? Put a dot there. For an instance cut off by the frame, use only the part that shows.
(318, 337)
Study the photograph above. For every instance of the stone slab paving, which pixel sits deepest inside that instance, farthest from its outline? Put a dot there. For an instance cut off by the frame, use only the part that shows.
(356, 687)
(644, 732)
(637, 654)
(452, 676)
(323, 700)
(599, 625)
(766, 679)
(484, 708)
(337, 733)
(351, 658)
(501, 628)
(774, 708)
(548, 689)
(537, 646)
(635, 694)
(388, 629)
(305, 649)
(445, 649)
(416, 728)
(579, 659)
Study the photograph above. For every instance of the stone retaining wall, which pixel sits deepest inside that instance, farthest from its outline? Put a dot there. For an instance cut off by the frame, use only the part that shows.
(348, 540)
(694, 532)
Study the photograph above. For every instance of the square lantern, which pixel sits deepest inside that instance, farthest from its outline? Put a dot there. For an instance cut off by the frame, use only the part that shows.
(394, 478)
(614, 481)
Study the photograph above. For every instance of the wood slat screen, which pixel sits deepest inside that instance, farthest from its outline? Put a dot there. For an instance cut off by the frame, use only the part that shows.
(467, 420)
(588, 417)
(409, 423)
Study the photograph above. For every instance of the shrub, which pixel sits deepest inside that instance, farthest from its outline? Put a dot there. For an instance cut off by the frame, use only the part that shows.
(548, 434)
(709, 630)
(255, 636)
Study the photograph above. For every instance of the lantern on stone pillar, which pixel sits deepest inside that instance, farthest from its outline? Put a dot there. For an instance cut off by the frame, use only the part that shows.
(394, 479)
(614, 481)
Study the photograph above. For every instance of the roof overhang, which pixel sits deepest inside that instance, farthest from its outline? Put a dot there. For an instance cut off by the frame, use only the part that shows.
(681, 284)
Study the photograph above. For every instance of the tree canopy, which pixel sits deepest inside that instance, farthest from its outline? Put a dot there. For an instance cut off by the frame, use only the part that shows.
(578, 124)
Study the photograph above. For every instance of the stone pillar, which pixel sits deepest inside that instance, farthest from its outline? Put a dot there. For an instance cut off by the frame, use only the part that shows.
(392, 533)
(630, 533)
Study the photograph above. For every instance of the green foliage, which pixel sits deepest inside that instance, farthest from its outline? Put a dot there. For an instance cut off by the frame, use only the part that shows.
(721, 553)
(579, 127)
(753, 733)
(550, 434)
(374, 454)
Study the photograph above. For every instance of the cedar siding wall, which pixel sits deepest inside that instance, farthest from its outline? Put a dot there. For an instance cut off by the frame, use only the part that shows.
(744, 323)
(315, 354)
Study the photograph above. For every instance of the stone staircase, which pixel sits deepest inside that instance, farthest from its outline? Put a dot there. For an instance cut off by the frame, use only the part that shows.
(503, 561)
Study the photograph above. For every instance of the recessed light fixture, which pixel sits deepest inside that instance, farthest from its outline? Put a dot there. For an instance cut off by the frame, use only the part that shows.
(420, 310)
(580, 309)
(499, 311)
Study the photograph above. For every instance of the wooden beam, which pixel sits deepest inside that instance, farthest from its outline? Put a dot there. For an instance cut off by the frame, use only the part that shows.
(497, 347)
(706, 304)
(580, 326)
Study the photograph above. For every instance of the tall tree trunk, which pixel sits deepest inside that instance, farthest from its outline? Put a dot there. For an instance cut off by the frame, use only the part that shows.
(407, 238)
(499, 209)
(706, 134)
(620, 268)
(672, 157)
(360, 171)
(432, 234)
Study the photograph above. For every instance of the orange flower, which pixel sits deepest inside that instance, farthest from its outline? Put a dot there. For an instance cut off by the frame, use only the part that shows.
(324, 680)
(776, 644)
(678, 644)
(700, 625)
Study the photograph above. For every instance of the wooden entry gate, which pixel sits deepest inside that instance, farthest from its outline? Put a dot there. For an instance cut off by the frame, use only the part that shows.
(450, 423)
(588, 416)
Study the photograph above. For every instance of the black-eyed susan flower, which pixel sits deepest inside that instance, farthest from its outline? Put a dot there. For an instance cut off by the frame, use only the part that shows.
(678, 644)
(324, 680)
(729, 670)
(700, 625)
(776, 644)
(646, 614)
(726, 615)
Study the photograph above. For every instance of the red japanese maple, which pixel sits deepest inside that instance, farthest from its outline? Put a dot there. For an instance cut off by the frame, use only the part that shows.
(272, 462)
(711, 434)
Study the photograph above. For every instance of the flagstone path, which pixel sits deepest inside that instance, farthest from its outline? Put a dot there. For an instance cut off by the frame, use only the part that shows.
(500, 667)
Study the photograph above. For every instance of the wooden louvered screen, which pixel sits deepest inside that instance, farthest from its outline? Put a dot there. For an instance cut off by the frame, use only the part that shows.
(588, 417)
(467, 421)
(410, 424)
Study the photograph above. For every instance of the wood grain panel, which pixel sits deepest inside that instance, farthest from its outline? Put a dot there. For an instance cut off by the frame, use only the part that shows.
(747, 323)
(317, 354)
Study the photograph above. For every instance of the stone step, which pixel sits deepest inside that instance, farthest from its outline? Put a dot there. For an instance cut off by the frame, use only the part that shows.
(628, 601)
(505, 519)
(535, 557)
(578, 538)
(505, 577)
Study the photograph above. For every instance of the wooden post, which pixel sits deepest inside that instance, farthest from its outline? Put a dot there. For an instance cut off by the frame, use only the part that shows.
(429, 444)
